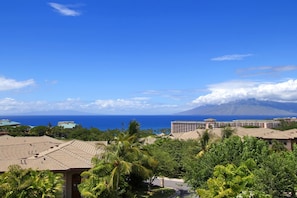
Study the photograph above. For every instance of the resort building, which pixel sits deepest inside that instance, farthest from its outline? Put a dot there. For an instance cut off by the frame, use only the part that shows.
(70, 158)
(6, 122)
(262, 129)
(67, 124)
(185, 126)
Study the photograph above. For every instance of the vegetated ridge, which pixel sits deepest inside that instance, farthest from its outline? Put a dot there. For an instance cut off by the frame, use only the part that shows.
(246, 107)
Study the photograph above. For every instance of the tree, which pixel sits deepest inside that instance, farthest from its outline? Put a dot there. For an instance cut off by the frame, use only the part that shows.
(233, 150)
(204, 139)
(277, 175)
(228, 181)
(278, 146)
(167, 163)
(114, 172)
(134, 128)
(227, 132)
(29, 183)
(39, 130)
(172, 155)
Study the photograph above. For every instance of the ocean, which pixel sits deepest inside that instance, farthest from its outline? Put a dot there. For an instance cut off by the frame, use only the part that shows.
(104, 122)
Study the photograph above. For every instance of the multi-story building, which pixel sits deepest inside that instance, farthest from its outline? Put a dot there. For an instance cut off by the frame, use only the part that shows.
(186, 126)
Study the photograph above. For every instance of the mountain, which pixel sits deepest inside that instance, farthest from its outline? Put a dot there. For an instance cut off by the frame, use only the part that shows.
(246, 107)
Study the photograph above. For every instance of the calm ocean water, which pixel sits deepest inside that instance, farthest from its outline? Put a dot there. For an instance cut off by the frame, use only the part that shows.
(104, 122)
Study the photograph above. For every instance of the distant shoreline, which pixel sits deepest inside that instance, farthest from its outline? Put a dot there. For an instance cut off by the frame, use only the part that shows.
(104, 122)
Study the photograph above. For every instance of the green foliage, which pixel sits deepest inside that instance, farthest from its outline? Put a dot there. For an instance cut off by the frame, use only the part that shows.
(28, 183)
(117, 171)
(244, 167)
(278, 146)
(173, 155)
(229, 181)
(277, 175)
(250, 127)
(167, 164)
(78, 132)
(227, 132)
(220, 153)
(231, 150)
(16, 131)
(39, 130)
(253, 148)
(134, 128)
(286, 125)
(204, 139)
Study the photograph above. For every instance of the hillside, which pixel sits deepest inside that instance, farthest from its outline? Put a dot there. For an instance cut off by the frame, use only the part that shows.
(246, 107)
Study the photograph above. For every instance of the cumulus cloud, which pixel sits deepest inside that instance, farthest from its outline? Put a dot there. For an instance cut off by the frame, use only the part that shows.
(64, 9)
(235, 90)
(231, 57)
(121, 103)
(137, 105)
(9, 84)
(12, 106)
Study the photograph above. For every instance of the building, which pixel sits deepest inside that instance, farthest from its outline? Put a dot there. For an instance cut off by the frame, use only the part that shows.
(288, 138)
(262, 131)
(6, 122)
(186, 126)
(70, 158)
(67, 124)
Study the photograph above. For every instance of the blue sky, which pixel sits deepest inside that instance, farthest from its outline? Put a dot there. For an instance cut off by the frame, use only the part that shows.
(145, 56)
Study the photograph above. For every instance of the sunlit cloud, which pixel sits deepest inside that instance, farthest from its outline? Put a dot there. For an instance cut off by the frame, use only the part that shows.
(121, 103)
(10, 84)
(64, 9)
(132, 106)
(12, 106)
(231, 57)
(235, 90)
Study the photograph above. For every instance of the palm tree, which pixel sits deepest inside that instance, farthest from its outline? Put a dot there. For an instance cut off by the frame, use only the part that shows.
(227, 132)
(205, 137)
(114, 171)
(29, 183)
(134, 128)
(49, 184)
(127, 158)
(15, 182)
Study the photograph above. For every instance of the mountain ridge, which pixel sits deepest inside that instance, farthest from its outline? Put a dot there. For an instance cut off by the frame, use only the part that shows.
(246, 107)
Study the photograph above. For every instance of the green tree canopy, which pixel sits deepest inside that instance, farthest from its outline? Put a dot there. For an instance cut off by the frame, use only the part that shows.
(29, 183)
(114, 173)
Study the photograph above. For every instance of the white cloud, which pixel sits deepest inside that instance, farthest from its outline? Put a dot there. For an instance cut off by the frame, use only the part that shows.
(121, 103)
(9, 84)
(225, 92)
(10, 106)
(136, 105)
(132, 106)
(265, 70)
(64, 9)
(231, 57)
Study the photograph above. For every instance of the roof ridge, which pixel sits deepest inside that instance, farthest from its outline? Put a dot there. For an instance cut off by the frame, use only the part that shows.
(75, 155)
(51, 149)
(59, 162)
